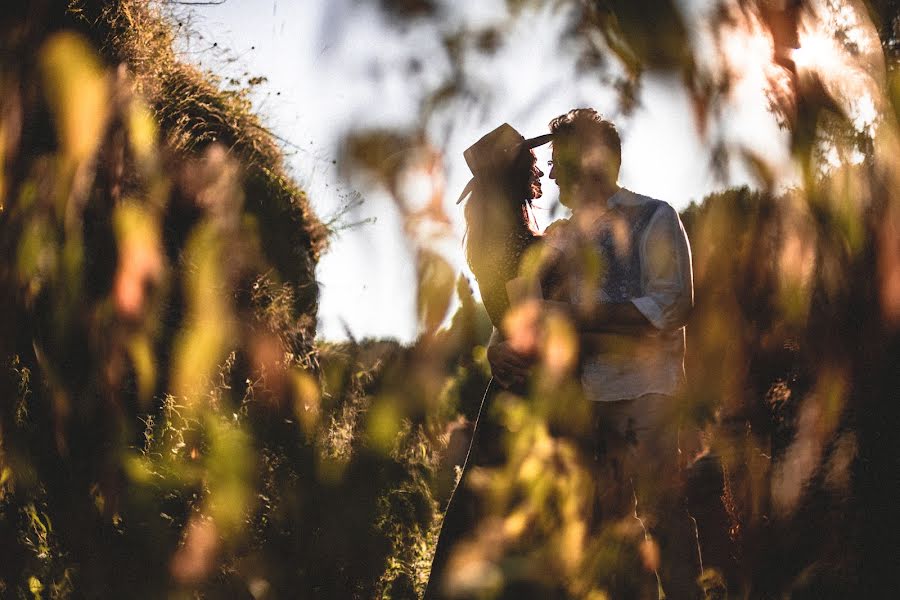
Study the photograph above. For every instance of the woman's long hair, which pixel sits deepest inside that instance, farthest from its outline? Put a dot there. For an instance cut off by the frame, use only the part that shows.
(500, 226)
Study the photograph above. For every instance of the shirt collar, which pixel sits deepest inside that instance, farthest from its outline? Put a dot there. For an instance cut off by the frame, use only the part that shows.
(589, 217)
(622, 196)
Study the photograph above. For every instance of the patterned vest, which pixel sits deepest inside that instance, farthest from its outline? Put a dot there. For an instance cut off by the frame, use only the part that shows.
(622, 281)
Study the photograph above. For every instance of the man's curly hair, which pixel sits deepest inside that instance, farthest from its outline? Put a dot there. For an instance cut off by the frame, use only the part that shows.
(586, 125)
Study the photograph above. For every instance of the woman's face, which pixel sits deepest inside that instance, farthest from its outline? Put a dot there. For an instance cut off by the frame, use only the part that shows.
(527, 172)
(536, 175)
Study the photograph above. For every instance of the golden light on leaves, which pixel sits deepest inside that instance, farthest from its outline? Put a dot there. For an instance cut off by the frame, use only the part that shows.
(839, 469)
(3, 136)
(795, 266)
(473, 569)
(840, 56)
(213, 182)
(747, 51)
(37, 257)
(140, 351)
(560, 345)
(521, 327)
(140, 264)
(437, 280)
(516, 523)
(78, 93)
(817, 51)
(889, 261)
(195, 560)
(750, 61)
(572, 543)
(420, 189)
(35, 586)
(649, 552)
(138, 469)
(203, 342)
(307, 400)
(383, 423)
(820, 415)
(229, 466)
(142, 132)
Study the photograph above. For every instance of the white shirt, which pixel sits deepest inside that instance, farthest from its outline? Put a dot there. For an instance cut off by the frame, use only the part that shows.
(652, 363)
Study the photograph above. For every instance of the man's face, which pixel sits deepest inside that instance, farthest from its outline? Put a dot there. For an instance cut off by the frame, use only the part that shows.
(579, 169)
(564, 171)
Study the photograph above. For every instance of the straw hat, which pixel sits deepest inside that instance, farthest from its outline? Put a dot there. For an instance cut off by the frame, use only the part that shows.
(495, 151)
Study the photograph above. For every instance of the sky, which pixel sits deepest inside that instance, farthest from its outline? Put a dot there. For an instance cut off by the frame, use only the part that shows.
(332, 65)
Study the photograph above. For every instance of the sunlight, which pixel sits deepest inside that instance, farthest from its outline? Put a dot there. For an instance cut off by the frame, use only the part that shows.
(748, 53)
(864, 113)
(417, 187)
(840, 69)
(817, 51)
(845, 20)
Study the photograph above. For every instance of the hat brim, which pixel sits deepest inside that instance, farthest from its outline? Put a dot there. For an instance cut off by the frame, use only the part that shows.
(529, 143)
(466, 191)
(538, 141)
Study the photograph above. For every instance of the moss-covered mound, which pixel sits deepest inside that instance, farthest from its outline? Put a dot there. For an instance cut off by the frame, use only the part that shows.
(158, 309)
(193, 112)
(168, 427)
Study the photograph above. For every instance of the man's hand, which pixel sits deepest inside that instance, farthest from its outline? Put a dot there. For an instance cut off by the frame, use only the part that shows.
(508, 367)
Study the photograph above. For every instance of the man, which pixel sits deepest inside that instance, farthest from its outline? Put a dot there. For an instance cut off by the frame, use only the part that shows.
(630, 315)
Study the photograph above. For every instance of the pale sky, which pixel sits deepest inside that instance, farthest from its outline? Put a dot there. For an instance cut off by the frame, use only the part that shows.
(335, 64)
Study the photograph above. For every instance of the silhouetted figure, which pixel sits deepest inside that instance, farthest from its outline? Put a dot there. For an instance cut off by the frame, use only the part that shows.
(630, 316)
(506, 180)
(499, 222)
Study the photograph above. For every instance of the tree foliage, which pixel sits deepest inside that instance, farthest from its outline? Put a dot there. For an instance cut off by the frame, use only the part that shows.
(169, 427)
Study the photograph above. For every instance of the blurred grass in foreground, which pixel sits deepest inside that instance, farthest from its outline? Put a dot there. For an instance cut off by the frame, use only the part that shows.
(169, 428)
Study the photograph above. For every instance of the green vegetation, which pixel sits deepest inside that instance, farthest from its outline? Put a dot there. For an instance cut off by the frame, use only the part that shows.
(169, 428)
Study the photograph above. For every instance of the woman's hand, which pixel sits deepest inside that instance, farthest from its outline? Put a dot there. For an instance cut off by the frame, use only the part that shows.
(508, 367)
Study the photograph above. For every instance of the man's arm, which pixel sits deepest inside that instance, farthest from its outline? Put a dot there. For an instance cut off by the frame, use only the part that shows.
(667, 274)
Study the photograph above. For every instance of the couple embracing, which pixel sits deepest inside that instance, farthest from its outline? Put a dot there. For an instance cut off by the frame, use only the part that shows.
(629, 315)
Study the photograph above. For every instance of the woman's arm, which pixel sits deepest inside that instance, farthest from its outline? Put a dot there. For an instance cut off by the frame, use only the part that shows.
(508, 367)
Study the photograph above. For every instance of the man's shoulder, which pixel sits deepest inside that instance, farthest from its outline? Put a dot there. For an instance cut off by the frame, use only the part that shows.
(643, 207)
(632, 198)
(557, 235)
(556, 227)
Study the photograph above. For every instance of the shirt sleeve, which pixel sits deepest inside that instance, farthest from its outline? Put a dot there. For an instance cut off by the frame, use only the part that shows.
(668, 288)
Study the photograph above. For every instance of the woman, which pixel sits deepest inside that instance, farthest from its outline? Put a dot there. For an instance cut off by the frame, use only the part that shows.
(500, 226)
(500, 230)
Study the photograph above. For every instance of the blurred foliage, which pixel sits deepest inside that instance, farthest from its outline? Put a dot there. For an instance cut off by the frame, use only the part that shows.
(794, 338)
(166, 428)
(169, 428)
